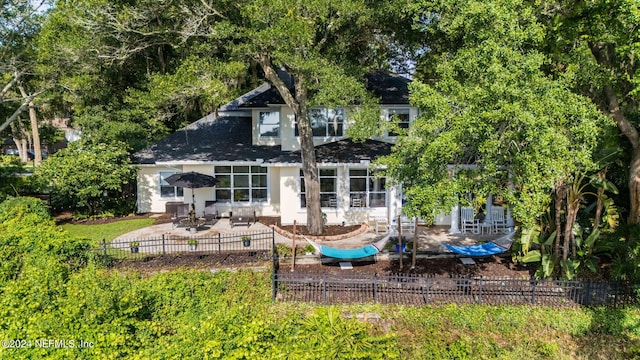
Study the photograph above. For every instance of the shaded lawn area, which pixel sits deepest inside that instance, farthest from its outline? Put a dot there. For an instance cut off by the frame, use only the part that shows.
(108, 231)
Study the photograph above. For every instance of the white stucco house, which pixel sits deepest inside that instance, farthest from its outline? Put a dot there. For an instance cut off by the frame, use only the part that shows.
(251, 147)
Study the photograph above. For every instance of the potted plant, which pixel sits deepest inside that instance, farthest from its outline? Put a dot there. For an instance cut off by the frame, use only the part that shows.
(193, 244)
(134, 246)
(246, 241)
(309, 249)
(396, 244)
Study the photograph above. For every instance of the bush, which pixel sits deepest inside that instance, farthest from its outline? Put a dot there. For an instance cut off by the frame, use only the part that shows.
(20, 206)
(92, 178)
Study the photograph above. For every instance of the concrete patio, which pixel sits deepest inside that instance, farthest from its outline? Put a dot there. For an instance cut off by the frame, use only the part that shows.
(429, 238)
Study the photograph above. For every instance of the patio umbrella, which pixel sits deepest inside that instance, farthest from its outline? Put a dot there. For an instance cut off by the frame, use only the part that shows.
(191, 180)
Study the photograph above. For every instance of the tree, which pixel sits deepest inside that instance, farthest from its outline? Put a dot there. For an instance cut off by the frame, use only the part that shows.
(85, 175)
(492, 121)
(597, 43)
(19, 25)
(326, 47)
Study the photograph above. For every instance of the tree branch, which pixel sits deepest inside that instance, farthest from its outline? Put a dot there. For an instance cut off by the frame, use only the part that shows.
(18, 111)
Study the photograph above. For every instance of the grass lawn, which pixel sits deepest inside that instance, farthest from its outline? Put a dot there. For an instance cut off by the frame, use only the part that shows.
(107, 231)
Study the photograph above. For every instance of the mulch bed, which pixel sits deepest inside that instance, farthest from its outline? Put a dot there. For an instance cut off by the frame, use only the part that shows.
(329, 230)
(195, 260)
(489, 267)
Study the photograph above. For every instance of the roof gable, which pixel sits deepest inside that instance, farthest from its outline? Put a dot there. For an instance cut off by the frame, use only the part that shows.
(392, 89)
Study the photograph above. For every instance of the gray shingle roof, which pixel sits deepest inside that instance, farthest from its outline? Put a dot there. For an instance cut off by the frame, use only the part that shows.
(208, 139)
(229, 139)
(342, 151)
(392, 89)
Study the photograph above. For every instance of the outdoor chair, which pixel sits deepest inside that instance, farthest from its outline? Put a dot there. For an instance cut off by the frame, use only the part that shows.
(469, 221)
(497, 218)
(210, 213)
(407, 226)
(242, 215)
(382, 223)
(181, 213)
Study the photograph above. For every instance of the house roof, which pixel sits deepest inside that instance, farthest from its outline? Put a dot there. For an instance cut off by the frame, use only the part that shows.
(392, 89)
(341, 151)
(229, 139)
(208, 139)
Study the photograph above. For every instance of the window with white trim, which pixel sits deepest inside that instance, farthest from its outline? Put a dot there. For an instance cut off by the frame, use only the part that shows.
(325, 122)
(366, 190)
(166, 190)
(241, 183)
(402, 118)
(269, 124)
(328, 188)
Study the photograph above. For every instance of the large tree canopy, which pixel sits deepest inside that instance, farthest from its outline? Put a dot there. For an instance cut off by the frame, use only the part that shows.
(598, 43)
(487, 102)
(325, 46)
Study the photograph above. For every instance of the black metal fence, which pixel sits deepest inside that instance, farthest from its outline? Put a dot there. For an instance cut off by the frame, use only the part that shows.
(257, 243)
(424, 290)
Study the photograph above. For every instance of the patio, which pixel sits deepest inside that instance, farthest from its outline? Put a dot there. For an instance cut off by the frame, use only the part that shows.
(429, 238)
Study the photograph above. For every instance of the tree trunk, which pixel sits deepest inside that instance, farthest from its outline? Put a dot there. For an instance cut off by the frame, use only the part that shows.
(602, 174)
(315, 223)
(634, 187)
(298, 104)
(559, 199)
(627, 128)
(37, 153)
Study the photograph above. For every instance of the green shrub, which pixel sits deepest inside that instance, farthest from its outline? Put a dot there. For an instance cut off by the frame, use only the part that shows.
(17, 207)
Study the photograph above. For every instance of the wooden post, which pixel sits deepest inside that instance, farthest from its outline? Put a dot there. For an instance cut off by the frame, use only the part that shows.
(293, 248)
(415, 243)
(399, 225)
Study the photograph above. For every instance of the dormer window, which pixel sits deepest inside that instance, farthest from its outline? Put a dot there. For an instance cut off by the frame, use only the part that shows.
(325, 122)
(400, 115)
(269, 124)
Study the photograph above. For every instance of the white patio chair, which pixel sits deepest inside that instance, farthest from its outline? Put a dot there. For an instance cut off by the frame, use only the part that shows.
(469, 221)
(497, 219)
(407, 226)
(382, 223)
(356, 202)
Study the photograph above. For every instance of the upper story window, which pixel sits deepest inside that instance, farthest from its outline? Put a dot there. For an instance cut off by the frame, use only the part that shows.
(328, 188)
(325, 122)
(401, 116)
(269, 124)
(166, 190)
(241, 183)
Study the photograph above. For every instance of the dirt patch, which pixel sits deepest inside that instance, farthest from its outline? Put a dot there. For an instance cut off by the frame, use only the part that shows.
(329, 230)
(490, 267)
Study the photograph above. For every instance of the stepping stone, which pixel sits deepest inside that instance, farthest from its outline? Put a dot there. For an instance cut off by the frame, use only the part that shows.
(346, 265)
(467, 261)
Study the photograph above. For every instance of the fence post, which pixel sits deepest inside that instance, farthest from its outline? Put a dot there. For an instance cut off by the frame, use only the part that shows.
(533, 292)
(219, 244)
(324, 288)
(587, 298)
(104, 249)
(163, 249)
(426, 297)
(480, 291)
(274, 286)
(375, 290)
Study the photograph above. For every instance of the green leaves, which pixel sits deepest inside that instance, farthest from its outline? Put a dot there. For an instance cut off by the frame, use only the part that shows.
(83, 174)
